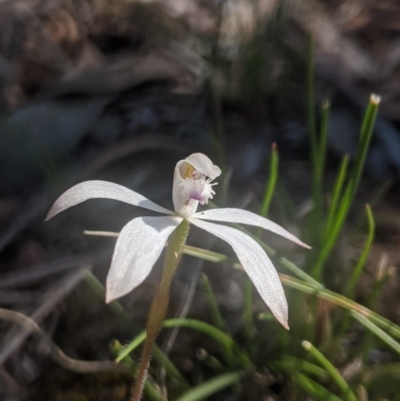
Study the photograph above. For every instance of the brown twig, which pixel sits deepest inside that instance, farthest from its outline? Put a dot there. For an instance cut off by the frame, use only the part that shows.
(14, 339)
(57, 354)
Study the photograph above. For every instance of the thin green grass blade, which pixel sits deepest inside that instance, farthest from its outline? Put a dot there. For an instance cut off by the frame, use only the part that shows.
(210, 387)
(271, 183)
(343, 302)
(346, 321)
(373, 300)
(205, 254)
(289, 364)
(336, 193)
(330, 242)
(333, 372)
(317, 178)
(314, 389)
(365, 138)
(325, 114)
(216, 316)
(230, 348)
(364, 255)
(127, 349)
(373, 328)
(116, 348)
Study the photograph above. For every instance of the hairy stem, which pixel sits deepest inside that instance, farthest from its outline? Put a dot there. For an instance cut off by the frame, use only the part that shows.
(160, 303)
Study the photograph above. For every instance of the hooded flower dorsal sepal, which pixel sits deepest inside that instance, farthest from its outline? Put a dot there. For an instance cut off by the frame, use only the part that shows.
(142, 240)
(193, 182)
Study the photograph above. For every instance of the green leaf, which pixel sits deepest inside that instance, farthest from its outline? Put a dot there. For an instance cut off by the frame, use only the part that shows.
(210, 387)
(373, 328)
(333, 372)
(314, 389)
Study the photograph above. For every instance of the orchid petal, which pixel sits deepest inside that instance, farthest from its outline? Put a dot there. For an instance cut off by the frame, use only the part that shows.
(231, 215)
(101, 189)
(257, 265)
(138, 247)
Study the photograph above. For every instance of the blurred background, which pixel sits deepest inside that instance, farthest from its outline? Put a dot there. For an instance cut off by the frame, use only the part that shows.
(120, 90)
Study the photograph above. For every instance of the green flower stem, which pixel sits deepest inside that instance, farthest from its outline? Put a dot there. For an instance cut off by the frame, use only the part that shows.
(336, 376)
(160, 303)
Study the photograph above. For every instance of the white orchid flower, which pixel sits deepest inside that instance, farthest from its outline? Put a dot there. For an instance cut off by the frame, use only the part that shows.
(142, 240)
